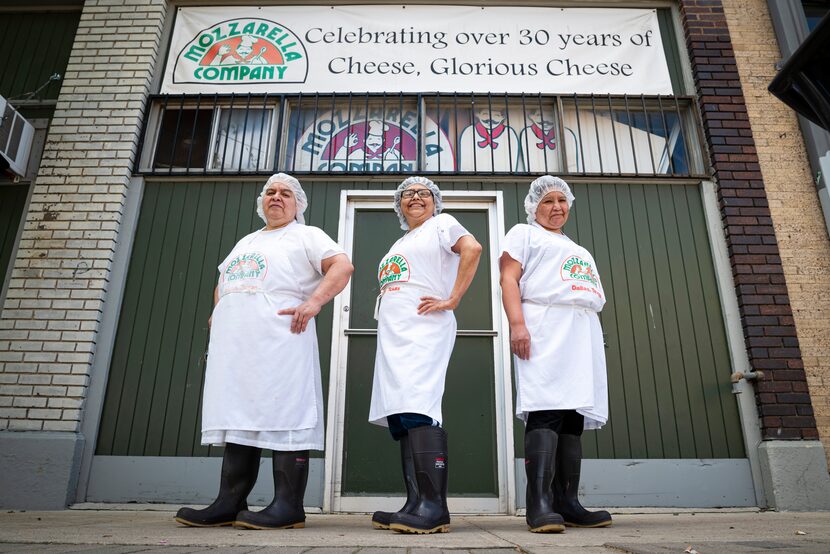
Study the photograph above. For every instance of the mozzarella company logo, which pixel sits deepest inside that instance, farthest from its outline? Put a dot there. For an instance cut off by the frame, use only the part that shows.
(246, 50)
(394, 269)
(358, 140)
(577, 269)
(250, 265)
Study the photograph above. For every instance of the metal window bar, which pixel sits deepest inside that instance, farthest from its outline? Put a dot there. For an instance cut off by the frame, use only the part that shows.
(437, 127)
(192, 135)
(383, 134)
(492, 142)
(161, 119)
(176, 135)
(298, 132)
(669, 148)
(541, 115)
(456, 166)
(579, 144)
(244, 133)
(562, 156)
(261, 130)
(527, 138)
(628, 121)
(643, 118)
(596, 132)
(683, 134)
(614, 132)
(313, 125)
(648, 130)
(279, 131)
(512, 167)
(472, 122)
(227, 133)
(349, 127)
(210, 145)
(331, 145)
(400, 123)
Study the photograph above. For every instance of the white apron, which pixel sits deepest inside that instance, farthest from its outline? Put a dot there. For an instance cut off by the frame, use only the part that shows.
(413, 350)
(262, 383)
(561, 296)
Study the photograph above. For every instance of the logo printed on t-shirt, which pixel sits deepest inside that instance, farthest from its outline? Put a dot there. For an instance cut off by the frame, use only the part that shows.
(250, 265)
(394, 269)
(577, 269)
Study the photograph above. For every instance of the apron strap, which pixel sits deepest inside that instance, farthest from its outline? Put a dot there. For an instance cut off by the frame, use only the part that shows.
(386, 288)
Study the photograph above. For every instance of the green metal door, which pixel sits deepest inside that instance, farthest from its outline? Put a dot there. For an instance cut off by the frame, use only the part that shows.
(371, 460)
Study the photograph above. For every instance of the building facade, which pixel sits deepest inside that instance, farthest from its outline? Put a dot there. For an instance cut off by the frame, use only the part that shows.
(694, 191)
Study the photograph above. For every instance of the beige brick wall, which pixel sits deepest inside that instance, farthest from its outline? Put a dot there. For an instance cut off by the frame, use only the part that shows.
(50, 319)
(796, 214)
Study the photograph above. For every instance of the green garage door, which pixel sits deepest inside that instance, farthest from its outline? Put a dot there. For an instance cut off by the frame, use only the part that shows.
(668, 361)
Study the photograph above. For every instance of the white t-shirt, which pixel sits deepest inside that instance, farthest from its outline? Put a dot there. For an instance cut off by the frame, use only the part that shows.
(555, 270)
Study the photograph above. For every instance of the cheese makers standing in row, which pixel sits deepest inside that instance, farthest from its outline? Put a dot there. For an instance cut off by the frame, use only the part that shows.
(263, 386)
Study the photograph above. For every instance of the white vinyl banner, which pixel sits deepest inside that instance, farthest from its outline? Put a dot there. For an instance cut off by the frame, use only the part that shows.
(279, 49)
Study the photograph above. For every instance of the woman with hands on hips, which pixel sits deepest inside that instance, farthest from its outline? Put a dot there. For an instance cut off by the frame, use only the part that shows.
(262, 383)
(421, 279)
(552, 294)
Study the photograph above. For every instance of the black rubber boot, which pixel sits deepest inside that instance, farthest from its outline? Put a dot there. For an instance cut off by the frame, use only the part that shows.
(540, 463)
(380, 520)
(429, 456)
(286, 510)
(566, 486)
(240, 467)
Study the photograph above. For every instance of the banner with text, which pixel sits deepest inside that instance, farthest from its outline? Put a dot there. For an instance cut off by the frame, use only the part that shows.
(279, 49)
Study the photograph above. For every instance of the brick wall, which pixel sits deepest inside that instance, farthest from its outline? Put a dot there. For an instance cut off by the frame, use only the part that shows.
(769, 328)
(793, 203)
(50, 318)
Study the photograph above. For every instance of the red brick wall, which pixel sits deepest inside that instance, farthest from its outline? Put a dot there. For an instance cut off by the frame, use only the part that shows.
(769, 330)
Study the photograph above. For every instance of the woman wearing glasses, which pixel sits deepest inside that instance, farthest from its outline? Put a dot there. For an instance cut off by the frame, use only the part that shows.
(422, 279)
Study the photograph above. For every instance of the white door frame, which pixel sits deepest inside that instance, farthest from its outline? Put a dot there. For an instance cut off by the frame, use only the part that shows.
(333, 501)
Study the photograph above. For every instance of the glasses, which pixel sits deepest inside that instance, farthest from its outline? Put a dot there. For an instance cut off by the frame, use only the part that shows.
(421, 193)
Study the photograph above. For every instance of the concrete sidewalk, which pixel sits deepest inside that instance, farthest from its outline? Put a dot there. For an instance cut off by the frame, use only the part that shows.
(152, 529)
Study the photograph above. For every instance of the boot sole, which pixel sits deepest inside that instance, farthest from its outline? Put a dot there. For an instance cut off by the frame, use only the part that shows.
(414, 530)
(589, 526)
(549, 528)
(380, 526)
(194, 524)
(246, 525)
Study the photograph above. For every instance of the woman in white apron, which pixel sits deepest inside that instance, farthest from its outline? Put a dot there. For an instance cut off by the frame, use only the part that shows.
(552, 294)
(262, 382)
(421, 279)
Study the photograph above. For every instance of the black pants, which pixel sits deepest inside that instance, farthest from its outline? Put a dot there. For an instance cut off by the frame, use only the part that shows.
(568, 422)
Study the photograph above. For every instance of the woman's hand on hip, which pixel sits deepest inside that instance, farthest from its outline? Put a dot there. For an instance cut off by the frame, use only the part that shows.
(301, 315)
(432, 304)
(520, 341)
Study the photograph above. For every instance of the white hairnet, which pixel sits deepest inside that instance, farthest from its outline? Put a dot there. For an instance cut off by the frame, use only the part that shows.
(299, 195)
(540, 188)
(408, 182)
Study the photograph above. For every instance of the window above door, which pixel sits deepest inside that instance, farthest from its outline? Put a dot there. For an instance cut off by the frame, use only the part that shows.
(439, 133)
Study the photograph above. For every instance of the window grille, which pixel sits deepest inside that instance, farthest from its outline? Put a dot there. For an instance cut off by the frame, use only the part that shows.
(438, 133)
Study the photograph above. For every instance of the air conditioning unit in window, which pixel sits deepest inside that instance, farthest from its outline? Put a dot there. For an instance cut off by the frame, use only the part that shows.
(15, 140)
